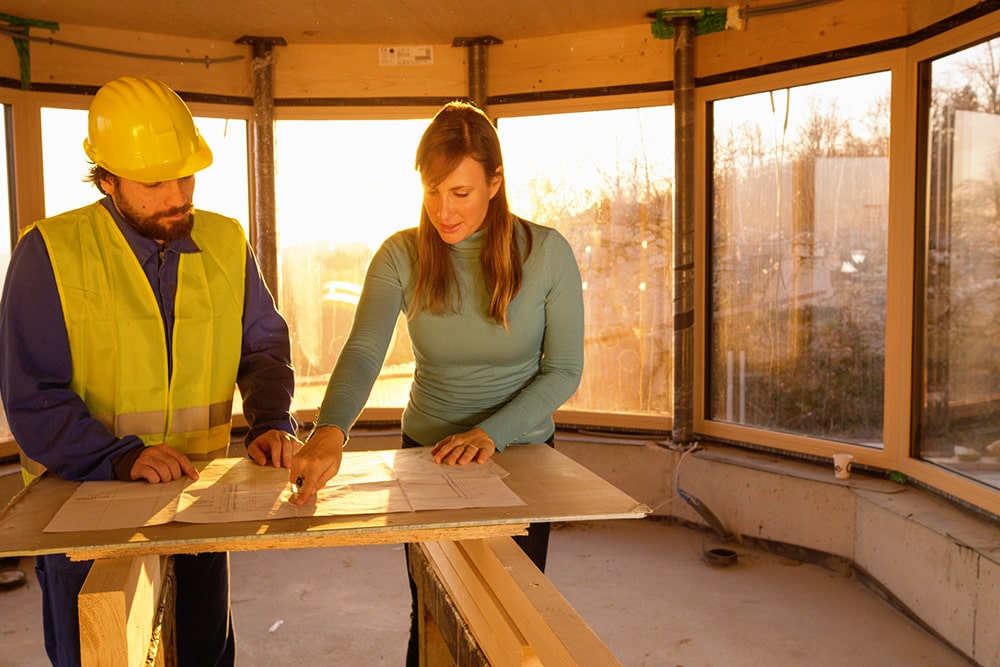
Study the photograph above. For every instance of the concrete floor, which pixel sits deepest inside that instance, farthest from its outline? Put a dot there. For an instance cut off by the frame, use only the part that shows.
(642, 585)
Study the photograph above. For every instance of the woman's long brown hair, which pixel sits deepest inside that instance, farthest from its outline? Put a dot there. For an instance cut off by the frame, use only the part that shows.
(460, 130)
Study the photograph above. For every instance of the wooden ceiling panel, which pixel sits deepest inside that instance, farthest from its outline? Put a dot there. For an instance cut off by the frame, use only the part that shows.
(401, 22)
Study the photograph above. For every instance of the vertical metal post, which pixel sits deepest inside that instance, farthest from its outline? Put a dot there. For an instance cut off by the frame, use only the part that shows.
(684, 256)
(477, 67)
(263, 226)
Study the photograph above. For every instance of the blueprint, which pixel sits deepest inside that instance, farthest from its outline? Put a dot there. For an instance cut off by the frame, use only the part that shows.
(237, 489)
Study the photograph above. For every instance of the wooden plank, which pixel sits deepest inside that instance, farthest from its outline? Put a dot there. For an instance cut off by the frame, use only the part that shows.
(445, 637)
(556, 633)
(495, 632)
(264, 542)
(553, 486)
(117, 609)
(512, 611)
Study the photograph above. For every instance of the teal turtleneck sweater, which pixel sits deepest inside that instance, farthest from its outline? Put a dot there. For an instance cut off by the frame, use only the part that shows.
(469, 371)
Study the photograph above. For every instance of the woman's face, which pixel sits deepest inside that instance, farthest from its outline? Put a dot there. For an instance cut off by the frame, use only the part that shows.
(457, 205)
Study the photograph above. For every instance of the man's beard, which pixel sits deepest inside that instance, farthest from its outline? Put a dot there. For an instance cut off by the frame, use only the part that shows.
(153, 226)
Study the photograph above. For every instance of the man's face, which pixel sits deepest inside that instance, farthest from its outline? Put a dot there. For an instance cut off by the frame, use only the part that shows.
(162, 211)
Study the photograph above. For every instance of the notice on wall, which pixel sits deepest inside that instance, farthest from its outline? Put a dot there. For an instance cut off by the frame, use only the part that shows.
(402, 56)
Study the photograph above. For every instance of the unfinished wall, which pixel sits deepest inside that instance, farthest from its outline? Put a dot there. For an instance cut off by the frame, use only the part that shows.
(940, 562)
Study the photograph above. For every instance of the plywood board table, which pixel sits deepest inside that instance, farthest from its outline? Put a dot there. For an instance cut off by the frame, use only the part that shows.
(553, 487)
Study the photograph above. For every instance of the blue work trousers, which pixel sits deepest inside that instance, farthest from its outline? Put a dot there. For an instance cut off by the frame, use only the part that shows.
(204, 627)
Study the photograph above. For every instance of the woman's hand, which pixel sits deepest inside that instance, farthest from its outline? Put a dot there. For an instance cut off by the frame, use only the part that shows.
(462, 448)
(316, 463)
(275, 446)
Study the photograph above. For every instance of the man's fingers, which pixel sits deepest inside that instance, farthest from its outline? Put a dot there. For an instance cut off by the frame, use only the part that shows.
(161, 469)
(180, 464)
(160, 463)
(275, 446)
(289, 446)
(189, 469)
(145, 472)
(284, 451)
(257, 453)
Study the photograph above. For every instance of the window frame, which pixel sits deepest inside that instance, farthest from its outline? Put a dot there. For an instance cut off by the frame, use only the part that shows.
(902, 361)
(812, 446)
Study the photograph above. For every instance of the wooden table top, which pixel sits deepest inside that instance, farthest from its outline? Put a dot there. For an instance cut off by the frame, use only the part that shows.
(553, 486)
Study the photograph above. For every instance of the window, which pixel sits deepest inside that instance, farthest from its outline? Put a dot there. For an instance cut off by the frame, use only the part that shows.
(960, 425)
(604, 179)
(64, 164)
(610, 196)
(798, 250)
(343, 187)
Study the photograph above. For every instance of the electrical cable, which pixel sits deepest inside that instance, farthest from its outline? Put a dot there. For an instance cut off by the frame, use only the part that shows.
(791, 5)
(692, 447)
(206, 61)
(697, 505)
(713, 557)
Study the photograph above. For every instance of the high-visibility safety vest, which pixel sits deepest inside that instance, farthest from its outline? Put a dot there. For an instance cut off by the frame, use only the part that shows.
(117, 339)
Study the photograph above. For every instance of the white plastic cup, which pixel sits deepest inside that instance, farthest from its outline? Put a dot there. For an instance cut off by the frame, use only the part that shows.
(842, 465)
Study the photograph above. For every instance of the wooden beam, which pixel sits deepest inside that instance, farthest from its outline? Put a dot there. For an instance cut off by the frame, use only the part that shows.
(506, 606)
(118, 610)
(494, 630)
(556, 633)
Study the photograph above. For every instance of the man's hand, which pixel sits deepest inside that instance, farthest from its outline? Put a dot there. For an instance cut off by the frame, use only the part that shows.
(468, 447)
(316, 463)
(275, 446)
(160, 463)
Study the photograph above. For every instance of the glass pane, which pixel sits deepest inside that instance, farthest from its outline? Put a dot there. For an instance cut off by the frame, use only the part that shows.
(64, 164)
(222, 188)
(961, 407)
(343, 187)
(604, 179)
(799, 232)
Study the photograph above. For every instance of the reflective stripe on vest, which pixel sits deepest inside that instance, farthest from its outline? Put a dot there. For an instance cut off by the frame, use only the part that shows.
(197, 418)
(116, 333)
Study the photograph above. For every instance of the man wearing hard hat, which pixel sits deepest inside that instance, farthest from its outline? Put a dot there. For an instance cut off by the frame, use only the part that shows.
(125, 327)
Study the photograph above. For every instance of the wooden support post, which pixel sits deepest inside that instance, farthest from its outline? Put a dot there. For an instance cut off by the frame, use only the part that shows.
(478, 69)
(263, 222)
(119, 608)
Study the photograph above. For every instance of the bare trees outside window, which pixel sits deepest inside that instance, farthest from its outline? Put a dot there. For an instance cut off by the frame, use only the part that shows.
(798, 245)
(960, 425)
(604, 179)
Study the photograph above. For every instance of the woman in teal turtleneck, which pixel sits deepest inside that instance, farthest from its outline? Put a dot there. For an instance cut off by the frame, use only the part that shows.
(494, 311)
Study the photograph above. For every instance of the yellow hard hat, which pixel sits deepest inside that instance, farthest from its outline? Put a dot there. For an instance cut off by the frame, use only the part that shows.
(139, 129)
